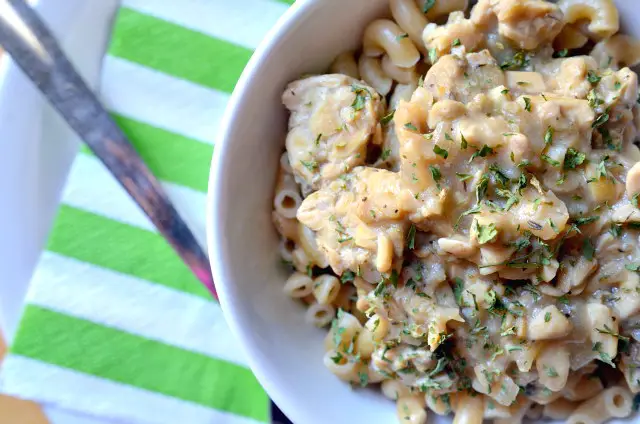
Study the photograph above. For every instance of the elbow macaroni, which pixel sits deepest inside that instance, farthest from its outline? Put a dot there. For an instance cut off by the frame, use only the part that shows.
(471, 238)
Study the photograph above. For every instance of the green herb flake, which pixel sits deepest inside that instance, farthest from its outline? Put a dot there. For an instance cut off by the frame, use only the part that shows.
(411, 237)
(436, 175)
(463, 177)
(548, 135)
(385, 154)
(440, 151)
(607, 330)
(347, 277)
(456, 42)
(588, 249)
(483, 152)
(527, 104)
(402, 37)
(388, 117)
(433, 56)
(458, 287)
(564, 299)
(410, 127)
(486, 233)
(361, 97)
(551, 372)
(337, 359)
(549, 160)
(573, 158)
(561, 53)
(364, 379)
(463, 142)
(428, 5)
(585, 220)
(593, 78)
(601, 119)
(547, 317)
(310, 165)
(633, 267)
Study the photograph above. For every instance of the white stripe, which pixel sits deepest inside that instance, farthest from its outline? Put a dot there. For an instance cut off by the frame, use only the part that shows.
(92, 188)
(64, 388)
(134, 305)
(243, 22)
(161, 100)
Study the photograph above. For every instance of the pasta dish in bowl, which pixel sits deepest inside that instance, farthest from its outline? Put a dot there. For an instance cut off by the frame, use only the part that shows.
(458, 202)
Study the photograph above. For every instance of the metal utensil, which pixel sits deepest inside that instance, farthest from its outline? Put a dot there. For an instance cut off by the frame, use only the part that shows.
(32, 46)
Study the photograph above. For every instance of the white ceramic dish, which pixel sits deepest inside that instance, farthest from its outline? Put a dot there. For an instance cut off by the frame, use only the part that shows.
(284, 351)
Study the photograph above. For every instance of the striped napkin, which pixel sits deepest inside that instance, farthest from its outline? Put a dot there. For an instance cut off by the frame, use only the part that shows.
(115, 326)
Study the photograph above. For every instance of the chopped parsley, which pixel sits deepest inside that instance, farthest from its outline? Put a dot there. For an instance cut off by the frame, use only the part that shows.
(463, 177)
(361, 97)
(436, 175)
(410, 126)
(634, 200)
(548, 135)
(499, 174)
(385, 154)
(411, 237)
(564, 299)
(433, 56)
(519, 60)
(633, 267)
(440, 151)
(458, 286)
(402, 36)
(337, 358)
(463, 142)
(527, 104)
(347, 277)
(456, 42)
(587, 249)
(364, 379)
(585, 220)
(593, 78)
(601, 119)
(428, 5)
(604, 357)
(549, 160)
(483, 152)
(310, 165)
(612, 333)
(486, 233)
(547, 317)
(573, 158)
(551, 372)
(388, 118)
(561, 53)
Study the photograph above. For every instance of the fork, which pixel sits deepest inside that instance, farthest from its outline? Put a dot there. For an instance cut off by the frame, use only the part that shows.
(34, 49)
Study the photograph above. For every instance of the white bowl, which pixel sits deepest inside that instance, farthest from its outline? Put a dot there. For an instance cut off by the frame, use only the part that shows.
(285, 352)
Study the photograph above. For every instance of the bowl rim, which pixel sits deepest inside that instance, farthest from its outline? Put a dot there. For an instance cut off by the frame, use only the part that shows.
(217, 171)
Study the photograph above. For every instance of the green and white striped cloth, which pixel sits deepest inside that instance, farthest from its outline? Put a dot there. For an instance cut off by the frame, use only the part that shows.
(115, 326)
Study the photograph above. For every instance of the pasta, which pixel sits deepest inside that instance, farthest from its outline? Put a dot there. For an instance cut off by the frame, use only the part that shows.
(459, 203)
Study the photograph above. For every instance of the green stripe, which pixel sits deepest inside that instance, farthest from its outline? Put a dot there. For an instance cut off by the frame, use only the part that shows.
(287, 1)
(171, 157)
(178, 51)
(120, 247)
(125, 358)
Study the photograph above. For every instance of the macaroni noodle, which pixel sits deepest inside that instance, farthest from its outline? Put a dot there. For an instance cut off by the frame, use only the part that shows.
(465, 218)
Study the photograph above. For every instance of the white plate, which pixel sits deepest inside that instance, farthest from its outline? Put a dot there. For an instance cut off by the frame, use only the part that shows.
(37, 151)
